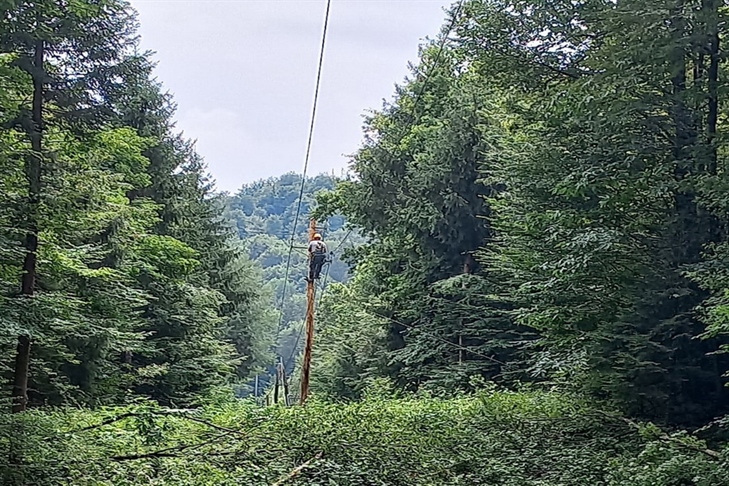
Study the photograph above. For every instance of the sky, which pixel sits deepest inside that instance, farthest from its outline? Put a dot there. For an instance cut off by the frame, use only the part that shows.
(242, 73)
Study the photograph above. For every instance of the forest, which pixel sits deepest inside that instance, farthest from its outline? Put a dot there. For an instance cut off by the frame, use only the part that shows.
(529, 286)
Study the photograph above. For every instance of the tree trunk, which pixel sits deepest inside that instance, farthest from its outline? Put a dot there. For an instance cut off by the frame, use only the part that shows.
(711, 8)
(713, 82)
(277, 384)
(285, 382)
(20, 387)
(33, 173)
(691, 230)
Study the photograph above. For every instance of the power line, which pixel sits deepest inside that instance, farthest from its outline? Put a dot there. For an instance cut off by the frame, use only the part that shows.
(323, 286)
(441, 48)
(455, 345)
(306, 160)
(408, 326)
(294, 347)
(349, 233)
(313, 117)
(432, 69)
(306, 166)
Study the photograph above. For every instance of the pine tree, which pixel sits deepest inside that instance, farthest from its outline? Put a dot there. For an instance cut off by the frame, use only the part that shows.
(206, 323)
(131, 282)
(419, 195)
(45, 41)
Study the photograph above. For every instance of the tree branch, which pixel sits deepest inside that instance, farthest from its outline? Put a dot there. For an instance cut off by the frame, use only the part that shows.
(298, 470)
(108, 422)
(667, 438)
(164, 413)
(169, 452)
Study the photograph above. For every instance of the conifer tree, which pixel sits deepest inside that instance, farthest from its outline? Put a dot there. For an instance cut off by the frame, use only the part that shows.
(608, 142)
(66, 52)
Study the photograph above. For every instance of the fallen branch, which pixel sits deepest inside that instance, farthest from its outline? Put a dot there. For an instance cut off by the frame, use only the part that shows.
(297, 471)
(108, 422)
(667, 438)
(163, 413)
(170, 451)
(136, 457)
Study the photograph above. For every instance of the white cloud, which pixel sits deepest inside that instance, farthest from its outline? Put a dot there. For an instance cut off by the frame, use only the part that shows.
(242, 74)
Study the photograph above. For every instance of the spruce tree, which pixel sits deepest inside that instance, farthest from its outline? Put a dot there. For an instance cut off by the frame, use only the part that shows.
(46, 41)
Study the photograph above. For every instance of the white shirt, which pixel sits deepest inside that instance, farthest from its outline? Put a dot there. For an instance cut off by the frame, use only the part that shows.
(317, 246)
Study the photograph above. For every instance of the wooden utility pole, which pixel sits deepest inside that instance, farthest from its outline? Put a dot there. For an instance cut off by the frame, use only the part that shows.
(469, 265)
(284, 382)
(276, 386)
(310, 297)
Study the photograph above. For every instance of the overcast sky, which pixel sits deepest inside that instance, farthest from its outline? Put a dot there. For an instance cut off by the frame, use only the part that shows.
(243, 71)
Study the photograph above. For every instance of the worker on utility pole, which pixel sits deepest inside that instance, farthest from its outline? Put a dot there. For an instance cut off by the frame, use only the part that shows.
(317, 257)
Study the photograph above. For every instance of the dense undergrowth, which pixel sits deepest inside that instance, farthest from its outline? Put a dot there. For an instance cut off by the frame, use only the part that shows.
(494, 438)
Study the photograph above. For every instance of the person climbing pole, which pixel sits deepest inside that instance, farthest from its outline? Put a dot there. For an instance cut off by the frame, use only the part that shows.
(317, 257)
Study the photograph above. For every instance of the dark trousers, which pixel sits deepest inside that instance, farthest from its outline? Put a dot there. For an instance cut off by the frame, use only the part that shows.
(317, 261)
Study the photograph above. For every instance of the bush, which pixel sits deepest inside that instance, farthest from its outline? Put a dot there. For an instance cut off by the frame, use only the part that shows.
(495, 438)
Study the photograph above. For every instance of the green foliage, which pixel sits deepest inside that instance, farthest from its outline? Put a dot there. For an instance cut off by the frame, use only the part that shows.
(349, 344)
(139, 287)
(499, 438)
(604, 210)
(417, 193)
(578, 150)
(263, 214)
(470, 334)
(542, 206)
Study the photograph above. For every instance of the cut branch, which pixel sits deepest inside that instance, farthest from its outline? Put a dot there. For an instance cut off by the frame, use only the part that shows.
(662, 436)
(297, 471)
(164, 413)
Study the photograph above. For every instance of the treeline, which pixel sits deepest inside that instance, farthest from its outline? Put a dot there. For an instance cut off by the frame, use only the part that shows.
(118, 276)
(547, 203)
(544, 214)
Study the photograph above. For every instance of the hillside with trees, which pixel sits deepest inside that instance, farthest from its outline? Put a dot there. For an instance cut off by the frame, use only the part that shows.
(263, 214)
(534, 290)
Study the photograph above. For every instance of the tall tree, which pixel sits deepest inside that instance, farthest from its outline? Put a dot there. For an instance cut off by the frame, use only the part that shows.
(420, 197)
(131, 281)
(46, 40)
(207, 319)
(608, 138)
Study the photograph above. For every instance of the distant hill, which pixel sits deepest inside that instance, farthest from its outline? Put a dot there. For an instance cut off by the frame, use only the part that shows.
(263, 213)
